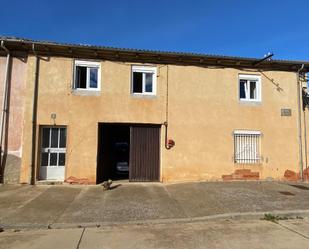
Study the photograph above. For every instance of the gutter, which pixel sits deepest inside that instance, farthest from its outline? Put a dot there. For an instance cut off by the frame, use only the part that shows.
(4, 106)
(301, 166)
(34, 117)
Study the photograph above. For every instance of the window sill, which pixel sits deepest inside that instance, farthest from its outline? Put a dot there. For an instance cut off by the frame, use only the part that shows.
(141, 95)
(86, 92)
(250, 102)
(248, 164)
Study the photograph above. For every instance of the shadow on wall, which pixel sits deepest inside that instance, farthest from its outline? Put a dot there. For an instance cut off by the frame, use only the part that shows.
(12, 169)
(277, 85)
(5, 124)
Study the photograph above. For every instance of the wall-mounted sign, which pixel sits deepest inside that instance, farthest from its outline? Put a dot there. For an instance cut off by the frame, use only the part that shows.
(286, 112)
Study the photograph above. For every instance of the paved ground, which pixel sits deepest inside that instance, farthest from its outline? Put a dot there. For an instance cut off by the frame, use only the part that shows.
(65, 206)
(231, 234)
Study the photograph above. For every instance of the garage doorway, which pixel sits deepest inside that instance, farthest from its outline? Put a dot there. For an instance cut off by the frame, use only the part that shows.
(113, 152)
(128, 151)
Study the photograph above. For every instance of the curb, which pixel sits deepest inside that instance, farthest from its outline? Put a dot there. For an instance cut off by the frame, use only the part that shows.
(245, 215)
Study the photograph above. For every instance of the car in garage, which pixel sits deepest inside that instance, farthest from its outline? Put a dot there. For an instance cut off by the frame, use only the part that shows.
(122, 157)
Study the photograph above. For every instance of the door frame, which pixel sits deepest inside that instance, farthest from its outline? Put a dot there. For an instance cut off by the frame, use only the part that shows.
(39, 151)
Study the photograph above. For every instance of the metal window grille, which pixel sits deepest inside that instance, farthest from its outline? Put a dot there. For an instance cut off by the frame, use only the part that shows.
(247, 147)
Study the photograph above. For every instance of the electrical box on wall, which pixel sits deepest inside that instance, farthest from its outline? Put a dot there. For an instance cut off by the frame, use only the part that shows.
(53, 115)
(286, 112)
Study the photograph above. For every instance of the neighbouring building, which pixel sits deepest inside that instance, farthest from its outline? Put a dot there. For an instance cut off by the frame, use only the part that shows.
(84, 114)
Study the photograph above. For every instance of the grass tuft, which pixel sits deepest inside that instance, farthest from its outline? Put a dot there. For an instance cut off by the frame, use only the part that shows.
(273, 218)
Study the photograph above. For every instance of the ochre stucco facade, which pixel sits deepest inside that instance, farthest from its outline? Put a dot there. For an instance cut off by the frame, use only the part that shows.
(203, 110)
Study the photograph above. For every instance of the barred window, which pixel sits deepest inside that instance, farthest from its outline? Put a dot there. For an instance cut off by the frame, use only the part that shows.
(247, 146)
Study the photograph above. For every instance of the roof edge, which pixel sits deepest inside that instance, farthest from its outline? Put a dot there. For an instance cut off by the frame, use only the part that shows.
(151, 56)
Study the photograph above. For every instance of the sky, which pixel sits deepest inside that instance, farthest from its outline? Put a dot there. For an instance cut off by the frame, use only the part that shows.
(247, 28)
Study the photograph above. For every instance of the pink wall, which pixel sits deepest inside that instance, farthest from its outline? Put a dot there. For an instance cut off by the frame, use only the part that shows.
(18, 82)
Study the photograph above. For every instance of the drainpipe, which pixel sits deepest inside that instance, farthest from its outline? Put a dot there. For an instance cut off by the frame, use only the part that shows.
(34, 117)
(166, 143)
(299, 124)
(167, 146)
(4, 103)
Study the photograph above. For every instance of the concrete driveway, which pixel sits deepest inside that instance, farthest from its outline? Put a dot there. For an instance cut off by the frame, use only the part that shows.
(230, 234)
(71, 206)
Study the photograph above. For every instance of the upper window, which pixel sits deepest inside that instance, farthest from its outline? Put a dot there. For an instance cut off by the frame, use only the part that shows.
(87, 75)
(249, 87)
(144, 80)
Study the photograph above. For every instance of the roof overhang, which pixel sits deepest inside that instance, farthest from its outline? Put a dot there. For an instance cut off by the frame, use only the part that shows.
(44, 48)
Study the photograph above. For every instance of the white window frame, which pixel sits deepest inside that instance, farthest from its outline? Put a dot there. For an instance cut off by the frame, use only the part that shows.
(249, 132)
(248, 78)
(88, 65)
(145, 69)
(50, 149)
(247, 157)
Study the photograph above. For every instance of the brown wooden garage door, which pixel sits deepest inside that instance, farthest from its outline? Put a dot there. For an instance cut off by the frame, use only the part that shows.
(144, 153)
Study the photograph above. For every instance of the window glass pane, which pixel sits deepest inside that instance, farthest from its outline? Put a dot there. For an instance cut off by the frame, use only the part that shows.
(93, 77)
(53, 159)
(137, 82)
(149, 78)
(253, 94)
(63, 137)
(44, 159)
(242, 89)
(81, 77)
(61, 159)
(54, 138)
(45, 138)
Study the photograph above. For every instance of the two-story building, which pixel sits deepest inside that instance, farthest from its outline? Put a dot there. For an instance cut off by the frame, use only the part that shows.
(80, 113)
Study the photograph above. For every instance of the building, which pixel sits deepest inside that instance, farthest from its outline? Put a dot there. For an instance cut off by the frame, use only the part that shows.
(80, 113)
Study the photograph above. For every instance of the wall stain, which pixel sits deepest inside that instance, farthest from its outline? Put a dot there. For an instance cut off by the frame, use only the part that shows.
(75, 180)
(291, 175)
(242, 174)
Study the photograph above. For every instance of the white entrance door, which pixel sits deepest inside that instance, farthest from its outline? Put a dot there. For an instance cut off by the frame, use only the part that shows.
(53, 149)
